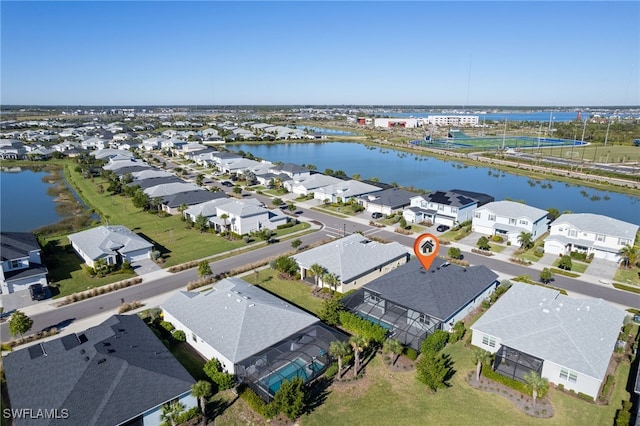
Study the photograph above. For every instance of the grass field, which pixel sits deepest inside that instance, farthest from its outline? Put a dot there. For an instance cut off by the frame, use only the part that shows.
(596, 153)
(294, 291)
(498, 142)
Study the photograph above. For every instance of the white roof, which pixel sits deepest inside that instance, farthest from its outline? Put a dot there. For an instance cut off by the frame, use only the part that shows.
(579, 334)
(352, 256)
(237, 318)
(104, 240)
(170, 189)
(313, 181)
(206, 209)
(242, 208)
(514, 210)
(599, 224)
(348, 188)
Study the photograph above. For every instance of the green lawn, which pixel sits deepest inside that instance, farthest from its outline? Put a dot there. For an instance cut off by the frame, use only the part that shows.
(576, 267)
(628, 276)
(294, 291)
(190, 360)
(497, 248)
(69, 274)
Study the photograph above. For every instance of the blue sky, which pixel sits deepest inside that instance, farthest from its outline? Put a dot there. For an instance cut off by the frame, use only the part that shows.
(383, 52)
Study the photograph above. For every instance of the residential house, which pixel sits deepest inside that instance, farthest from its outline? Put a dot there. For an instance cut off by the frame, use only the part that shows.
(387, 201)
(591, 234)
(113, 244)
(170, 188)
(149, 173)
(173, 202)
(260, 338)
(293, 171)
(343, 191)
(440, 207)
(22, 263)
(207, 209)
(567, 340)
(116, 373)
(354, 259)
(306, 184)
(246, 216)
(508, 219)
(412, 302)
(238, 165)
(11, 149)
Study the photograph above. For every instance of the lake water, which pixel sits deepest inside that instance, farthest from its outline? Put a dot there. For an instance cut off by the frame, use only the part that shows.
(430, 174)
(24, 202)
(325, 131)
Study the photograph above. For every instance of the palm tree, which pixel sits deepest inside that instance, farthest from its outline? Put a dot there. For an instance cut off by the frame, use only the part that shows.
(536, 383)
(316, 271)
(629, 254)
(358, 343)
(181, 209)
(480, 357)
(332, 280)
(224, 218)
(201, 390)
(170, 412)
(394, 348)
(339, 349)
(525, 239)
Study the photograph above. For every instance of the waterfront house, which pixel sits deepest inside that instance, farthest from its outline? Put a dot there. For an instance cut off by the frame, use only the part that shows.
(116, 373)
(22, 264)
(260, 338)
(508, 219)
(355, 260)
(440, 207)
(306, 184)
(343, 191)
(568, 340)
(246, 216)
(171, 203)
(113, 244)
(412, 302)
(387, 201)
(591, 234)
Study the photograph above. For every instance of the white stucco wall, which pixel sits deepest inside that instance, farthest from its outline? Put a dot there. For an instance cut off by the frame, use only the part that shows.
(152, 417)
(585, 384)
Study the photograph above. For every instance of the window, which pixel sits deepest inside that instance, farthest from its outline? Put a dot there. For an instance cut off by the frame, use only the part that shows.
(15, 264)
(524, 222)
(194, 337)
(600, 237)
(440, 207)
(424, 319)
(489, 341)
(624, 241)
(568, 375)
(573, 233)
(513, 221)
(454, 210)
(492, 217)
(477, 215)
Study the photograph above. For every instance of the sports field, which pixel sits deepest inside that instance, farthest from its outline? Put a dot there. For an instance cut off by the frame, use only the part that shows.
(497, 142)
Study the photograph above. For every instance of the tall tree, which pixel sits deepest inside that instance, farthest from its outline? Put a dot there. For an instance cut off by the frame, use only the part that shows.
(332, 280)
(525, 239)
(358, 343)
(19, 323)
(339, 349)
(537, 384)
(170, 412)
(201, 390)
(394, 348)
(316, 271)
(433, 370)
(224, 218)
(629, 255)
(201, 223)
(480, 357)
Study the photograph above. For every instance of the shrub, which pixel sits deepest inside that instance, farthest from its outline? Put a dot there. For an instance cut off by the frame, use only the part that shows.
(454, 252)
(254, 401)
(167, 326)
(497, 239)
(511, 383)
(458, 332)
(585, 397)
(410, 353)
(578, 256)
(435, 342)
(331, 371)
(565, 263)
(356, 325)
(180, 336)
(286, 225)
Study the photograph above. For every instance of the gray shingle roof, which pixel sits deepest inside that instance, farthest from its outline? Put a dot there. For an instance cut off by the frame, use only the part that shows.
(237, 318)
(392, 197)
(190, 198)
(515, 210)
(154, 181)
(579, 334)
(120, 371)
(14, 245)
(439, 292)
(599, 224)
(351, 256)
(103, 240)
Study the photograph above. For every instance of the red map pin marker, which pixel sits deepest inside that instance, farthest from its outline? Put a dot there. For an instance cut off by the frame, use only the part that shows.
(426, 248)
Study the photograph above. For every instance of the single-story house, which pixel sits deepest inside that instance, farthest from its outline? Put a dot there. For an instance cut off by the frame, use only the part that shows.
(260, 338)
(569, 341)
(509, 219)
(306, 184)
(116, 373)
(343, 191)
(412, 302)
(245, 216)
(591, 234)
(172, 203)
(22, 264)
(387, 201)
(440, 207)
(114, 244)
(354, 259)
(170, 188)
(149, 173)
(150, 182)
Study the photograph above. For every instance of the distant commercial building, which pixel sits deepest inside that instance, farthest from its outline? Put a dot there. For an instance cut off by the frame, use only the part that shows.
(407, 123)
(452, 120)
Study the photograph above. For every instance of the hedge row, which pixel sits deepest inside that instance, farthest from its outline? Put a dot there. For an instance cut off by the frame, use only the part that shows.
(76, 297)
(32, 338)
(511, 383)
(359, 326)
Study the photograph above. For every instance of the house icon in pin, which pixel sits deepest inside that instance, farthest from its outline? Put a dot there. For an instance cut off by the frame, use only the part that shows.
(427, 247)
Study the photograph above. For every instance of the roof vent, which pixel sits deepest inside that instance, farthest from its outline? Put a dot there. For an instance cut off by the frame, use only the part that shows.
(101, 361)
(546, 311)
(86, 358)
(252, 305)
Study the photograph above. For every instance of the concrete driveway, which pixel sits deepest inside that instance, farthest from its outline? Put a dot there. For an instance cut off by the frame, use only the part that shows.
(603, 269)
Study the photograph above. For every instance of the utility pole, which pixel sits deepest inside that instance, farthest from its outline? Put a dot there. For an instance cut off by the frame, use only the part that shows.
(606, 137)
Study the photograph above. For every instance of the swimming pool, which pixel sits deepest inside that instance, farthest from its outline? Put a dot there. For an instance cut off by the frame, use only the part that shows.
(375, 320)
(297, 368)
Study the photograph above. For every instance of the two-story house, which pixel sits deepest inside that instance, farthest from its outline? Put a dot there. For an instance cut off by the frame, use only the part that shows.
(440, 207)
(22, 264)
(590, 233)
(508, 219)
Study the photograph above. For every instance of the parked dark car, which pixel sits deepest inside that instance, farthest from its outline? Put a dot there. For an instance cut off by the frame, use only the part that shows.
(442, 228)
(227, 184)
(37, 292)
(376, 215)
